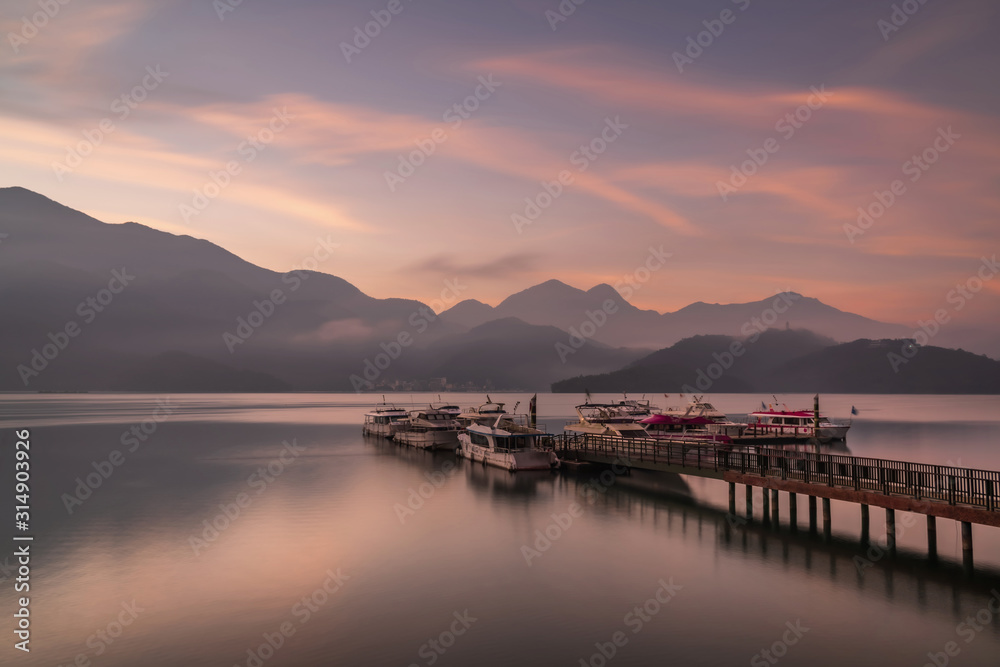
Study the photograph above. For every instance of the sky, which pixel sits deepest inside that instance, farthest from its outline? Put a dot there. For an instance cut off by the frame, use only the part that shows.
(504, 144)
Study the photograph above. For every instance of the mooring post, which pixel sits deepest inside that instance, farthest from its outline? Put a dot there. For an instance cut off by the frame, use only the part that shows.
(826, 516)
(812, 513)
(967, 545)
(864, 524)
(767, 506)
(932, 536)
(732, 498)
(792, 511)
(749, 503)
(890, 529)
(775, 515)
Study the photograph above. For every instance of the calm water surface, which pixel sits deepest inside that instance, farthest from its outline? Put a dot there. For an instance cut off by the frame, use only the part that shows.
(330, 551)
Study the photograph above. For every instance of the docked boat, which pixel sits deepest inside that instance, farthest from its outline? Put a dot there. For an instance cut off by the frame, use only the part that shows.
(637, 409)
(428, 429)
(487, 413)
(697, 408)
(384, 420)
(669, 427)
(606, 419)
(796, 423)
(507, 443)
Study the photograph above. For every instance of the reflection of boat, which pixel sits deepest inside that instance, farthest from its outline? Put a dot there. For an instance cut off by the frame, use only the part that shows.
(796, 423)
(507, 443)
(428, 429)
(605, 419)
(383, 420)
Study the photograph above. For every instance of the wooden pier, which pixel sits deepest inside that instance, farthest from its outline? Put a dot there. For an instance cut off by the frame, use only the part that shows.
(962, 494)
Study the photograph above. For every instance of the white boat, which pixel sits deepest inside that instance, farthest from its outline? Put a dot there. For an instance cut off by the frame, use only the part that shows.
(428, 429)
(696, 408)
(510, 445)
(606, 419)
(796, 422)
(486, 413)
(384, 420)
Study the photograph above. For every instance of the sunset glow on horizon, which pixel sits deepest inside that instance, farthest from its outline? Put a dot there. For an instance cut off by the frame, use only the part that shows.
(511, 144)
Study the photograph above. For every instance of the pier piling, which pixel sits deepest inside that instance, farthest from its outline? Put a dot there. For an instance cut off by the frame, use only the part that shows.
(766, 506)
(749, 503)
(826, 517)
(812, 513)
(864, 524)
(932, 536)
(775, 514)
(890, 529)
(793, 518)
(732, 498)
(967, 545)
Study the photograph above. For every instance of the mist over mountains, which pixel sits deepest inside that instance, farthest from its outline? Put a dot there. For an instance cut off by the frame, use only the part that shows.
(96, 306)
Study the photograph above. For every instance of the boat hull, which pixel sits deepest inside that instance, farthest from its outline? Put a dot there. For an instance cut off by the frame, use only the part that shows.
(447, 440)
(531, 459)
(379, 430)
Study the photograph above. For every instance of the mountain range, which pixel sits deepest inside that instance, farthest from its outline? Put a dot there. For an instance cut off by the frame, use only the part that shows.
(797, 361)
(96, 306)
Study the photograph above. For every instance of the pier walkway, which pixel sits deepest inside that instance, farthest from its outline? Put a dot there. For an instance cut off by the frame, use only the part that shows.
(962, 494)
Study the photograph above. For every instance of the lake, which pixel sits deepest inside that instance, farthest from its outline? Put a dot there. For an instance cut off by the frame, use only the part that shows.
(260, 530)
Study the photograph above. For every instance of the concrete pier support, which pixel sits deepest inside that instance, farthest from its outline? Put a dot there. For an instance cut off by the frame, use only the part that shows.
(967, 545)
(775, 514)
(749, 503)
(812, 513)
(793, 518)
(932, 536)
(890, 529)
(732, 498)
(864, 524)
(767, 506)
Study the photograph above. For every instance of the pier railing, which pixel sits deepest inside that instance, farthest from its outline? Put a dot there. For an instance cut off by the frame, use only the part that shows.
(922, 481)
